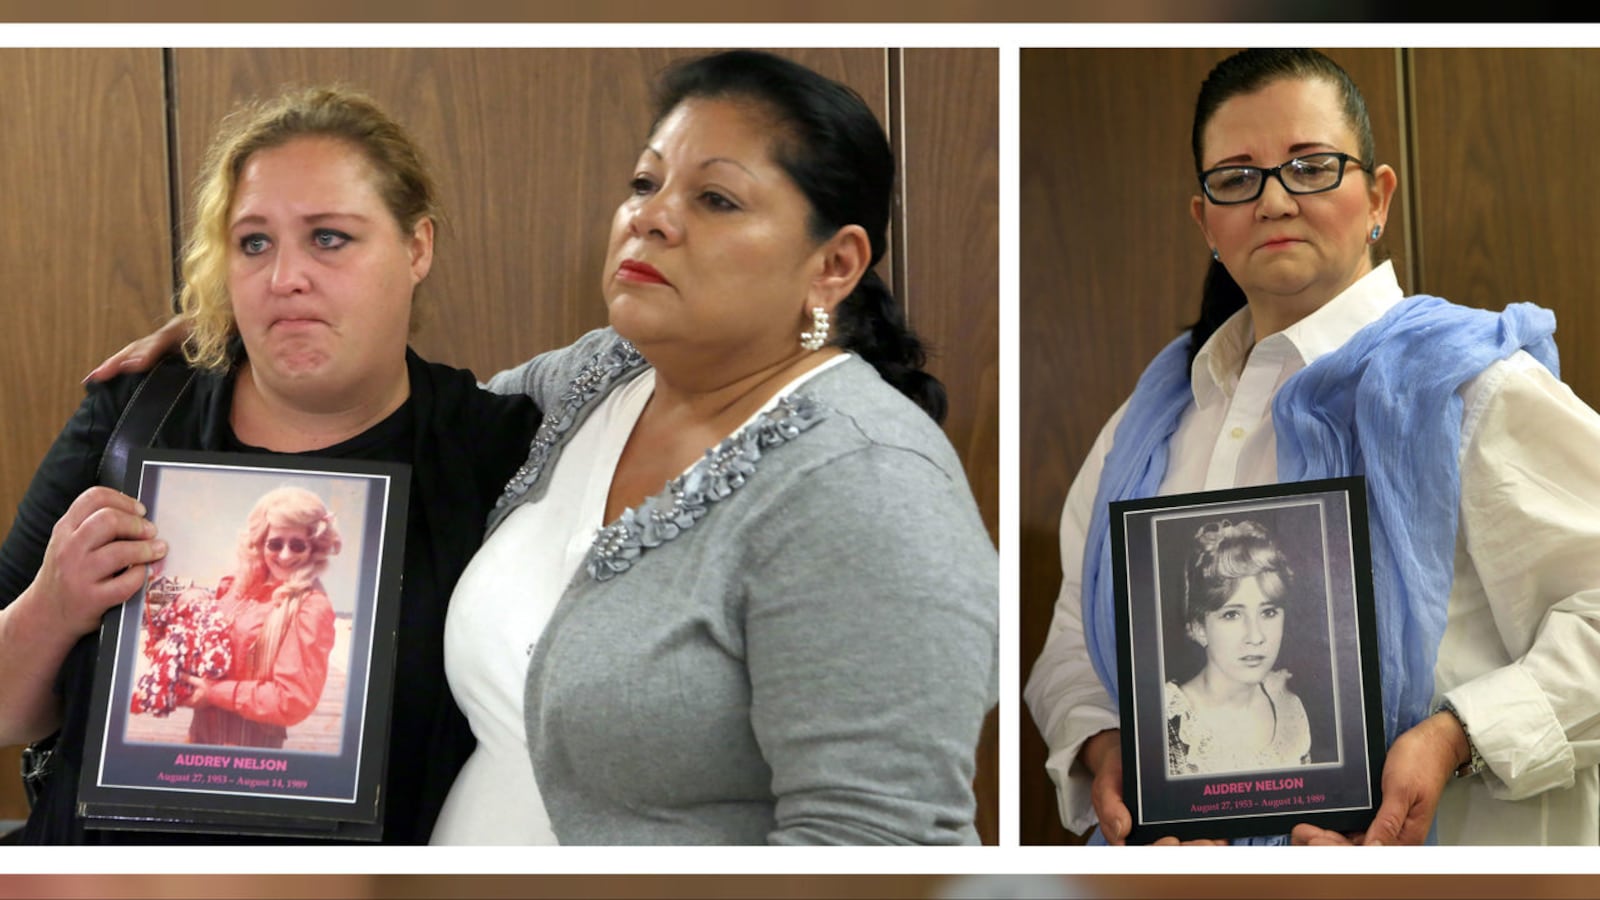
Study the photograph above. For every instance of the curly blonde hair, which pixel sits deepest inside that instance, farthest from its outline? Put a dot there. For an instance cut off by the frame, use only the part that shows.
(399, 170)
(285, 507)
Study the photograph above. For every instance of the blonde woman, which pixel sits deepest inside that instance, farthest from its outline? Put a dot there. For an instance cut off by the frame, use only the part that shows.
(313, 227)
(280, 624)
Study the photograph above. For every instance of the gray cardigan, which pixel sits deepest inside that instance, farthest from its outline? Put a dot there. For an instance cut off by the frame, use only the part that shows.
(794, 643)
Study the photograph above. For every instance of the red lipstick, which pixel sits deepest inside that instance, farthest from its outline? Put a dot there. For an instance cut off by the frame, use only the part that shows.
(642, 272)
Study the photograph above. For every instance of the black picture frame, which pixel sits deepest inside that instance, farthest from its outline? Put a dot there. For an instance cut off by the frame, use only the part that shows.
(140, 769)
(1184, 775)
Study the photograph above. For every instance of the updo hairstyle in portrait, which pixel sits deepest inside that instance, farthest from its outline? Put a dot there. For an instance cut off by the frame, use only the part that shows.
(1227, 553)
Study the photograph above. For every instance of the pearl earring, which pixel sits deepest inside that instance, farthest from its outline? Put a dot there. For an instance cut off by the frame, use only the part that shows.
(1215, 255)
(818, 335)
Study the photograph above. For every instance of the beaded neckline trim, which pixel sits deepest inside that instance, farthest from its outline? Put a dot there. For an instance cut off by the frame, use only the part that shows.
(617, 359)
(724, 469)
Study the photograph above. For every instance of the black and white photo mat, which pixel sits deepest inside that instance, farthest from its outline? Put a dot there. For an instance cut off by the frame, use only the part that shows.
(1246, 718)
(143, 766)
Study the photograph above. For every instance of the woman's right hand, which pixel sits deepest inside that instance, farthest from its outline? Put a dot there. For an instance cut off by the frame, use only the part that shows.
(95, 560)
(1103, 755)
(141, 354)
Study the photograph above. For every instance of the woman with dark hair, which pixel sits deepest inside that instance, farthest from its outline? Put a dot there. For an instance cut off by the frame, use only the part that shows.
(1237, 714)
(740, 593)
(1309, 362)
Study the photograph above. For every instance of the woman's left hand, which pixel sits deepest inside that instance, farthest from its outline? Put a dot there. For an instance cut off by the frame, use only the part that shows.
(1420, 764)
(199, 696)
(1418, 767)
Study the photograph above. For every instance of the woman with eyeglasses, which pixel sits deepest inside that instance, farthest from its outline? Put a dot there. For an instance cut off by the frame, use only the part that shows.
(279, 624)
(1308, 361)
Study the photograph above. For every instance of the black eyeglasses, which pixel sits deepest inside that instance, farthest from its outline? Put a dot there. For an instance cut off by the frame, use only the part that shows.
(296, 545)
(1309, 174)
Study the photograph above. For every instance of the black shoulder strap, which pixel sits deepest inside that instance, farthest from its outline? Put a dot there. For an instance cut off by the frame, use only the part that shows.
(153, 400)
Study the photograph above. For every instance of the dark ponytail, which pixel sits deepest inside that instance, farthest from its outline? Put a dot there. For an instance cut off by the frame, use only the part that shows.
(1220, 298)
(872, 325)
(832, 147)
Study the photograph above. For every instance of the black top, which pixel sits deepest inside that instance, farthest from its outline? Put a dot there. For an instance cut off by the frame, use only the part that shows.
(463, 445)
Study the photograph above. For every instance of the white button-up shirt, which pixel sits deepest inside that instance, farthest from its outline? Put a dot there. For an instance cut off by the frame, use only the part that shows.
(1520, 656)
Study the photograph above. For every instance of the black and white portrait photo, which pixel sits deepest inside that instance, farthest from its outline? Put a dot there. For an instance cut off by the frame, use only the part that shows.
(1245, 618)
(1247, 681)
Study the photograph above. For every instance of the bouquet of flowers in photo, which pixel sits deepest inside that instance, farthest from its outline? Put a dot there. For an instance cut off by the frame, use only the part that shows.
(183, 637)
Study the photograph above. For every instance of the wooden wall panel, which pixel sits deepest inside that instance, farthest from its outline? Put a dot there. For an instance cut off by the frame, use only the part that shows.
(83, 246)
(950, 276)
(532, 150)
(83, 234)
(950, 209)
(1111, 271)
(1505, 194)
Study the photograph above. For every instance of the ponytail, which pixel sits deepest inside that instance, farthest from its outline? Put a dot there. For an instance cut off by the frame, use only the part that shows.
(872, 325)
(1220, 298)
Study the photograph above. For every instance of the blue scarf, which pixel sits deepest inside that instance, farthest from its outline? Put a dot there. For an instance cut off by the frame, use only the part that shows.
(1384, 405)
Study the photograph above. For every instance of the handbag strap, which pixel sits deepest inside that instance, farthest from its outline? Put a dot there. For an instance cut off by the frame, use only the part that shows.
(153, 401)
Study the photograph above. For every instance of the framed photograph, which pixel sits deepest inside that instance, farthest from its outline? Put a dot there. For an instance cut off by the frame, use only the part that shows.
(247, 687)
(1248, 667)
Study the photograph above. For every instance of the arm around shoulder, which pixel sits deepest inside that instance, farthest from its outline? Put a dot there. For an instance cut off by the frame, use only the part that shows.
(546, 376)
